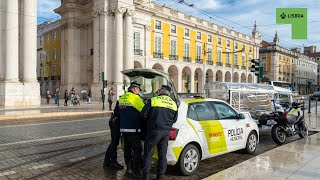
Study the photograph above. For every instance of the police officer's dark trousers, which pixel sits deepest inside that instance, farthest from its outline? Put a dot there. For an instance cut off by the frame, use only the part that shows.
(111, 153)
(160, 139)
(133, 151)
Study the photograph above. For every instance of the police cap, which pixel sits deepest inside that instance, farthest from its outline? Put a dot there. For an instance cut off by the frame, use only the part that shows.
(165, 87)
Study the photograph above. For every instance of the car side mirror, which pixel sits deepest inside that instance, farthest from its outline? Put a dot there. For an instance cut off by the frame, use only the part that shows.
(241, 116)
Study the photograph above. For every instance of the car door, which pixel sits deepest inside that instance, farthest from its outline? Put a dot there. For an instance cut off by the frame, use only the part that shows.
(233, 127)
(202, 116)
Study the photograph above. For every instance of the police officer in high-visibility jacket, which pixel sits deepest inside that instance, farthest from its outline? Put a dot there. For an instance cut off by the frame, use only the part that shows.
(130, 106)
(159, 114)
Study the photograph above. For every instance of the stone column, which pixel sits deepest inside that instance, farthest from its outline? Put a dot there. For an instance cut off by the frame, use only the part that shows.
(192, 82)
(11, 49)
(118, 63)
(96, 47)
(128, 58)
(29, 42)
(2, 38)
(180, 82)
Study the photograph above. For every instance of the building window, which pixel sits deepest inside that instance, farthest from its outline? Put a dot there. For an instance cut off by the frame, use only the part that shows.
(198, 55)
(41, 40)
(54, 71)
(236, 46)
(158, 25)
(209, 54)
(219, 55)
(186, 50)
(235, 59)
(173, 29)
(244, 47)
(228, 58)
(199, 35)
(219, 41)
(264, 57)
(243, 61)
(250, 49)
(158, 45)
(209, 38)
(186, 32)
(48, 37)
(228, 43)
(136, 42)
(54, 54)
(54, 35)
(173, 50)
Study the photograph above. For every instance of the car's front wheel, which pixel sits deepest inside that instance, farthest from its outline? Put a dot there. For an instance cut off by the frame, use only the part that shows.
(252, 142)
(189, 160)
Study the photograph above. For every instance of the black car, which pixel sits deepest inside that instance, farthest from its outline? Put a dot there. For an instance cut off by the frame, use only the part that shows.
(315, 95)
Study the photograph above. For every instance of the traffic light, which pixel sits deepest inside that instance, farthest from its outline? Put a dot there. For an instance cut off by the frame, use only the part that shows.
(255, 67)
(101, 76)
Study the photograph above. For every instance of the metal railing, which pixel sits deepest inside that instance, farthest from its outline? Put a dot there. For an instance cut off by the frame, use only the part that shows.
(199, 61)
(219, 64)
(243, 67)
(236, 66)
(210, 62)
(228, 65)
(186, 59)
(173, 57)
(138, 52)
(157, 55)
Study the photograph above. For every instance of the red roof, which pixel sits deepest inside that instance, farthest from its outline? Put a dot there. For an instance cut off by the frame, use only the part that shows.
(317, 54)
(265, 43)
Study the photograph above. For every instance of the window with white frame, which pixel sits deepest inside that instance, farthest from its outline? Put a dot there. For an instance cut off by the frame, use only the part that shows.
(244, 47)
(54, 35)
(136, 41)
(54, 54)
(209, 38)
(173, 50)
(198, 55)
(173, 29)
(48, 37)
(41, 40)
(264, 57)
(219, 41)
(236, 46)
(186, 32)
(243, 61)
(158, 25)
(228, 58)
(250, 49)
(228, 43)
(54, 70)
(199, 35)
(219, 56)
(235, 59)
(209, 54)
(186, 50)
(157, 45)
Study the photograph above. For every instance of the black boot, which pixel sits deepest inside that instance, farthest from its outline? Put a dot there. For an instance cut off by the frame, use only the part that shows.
(116, 165)
(129, 167)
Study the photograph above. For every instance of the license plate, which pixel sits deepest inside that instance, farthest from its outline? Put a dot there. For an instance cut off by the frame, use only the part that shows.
(270, 122)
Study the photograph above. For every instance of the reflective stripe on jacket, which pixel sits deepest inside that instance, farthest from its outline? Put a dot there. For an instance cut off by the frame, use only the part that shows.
(130, 106)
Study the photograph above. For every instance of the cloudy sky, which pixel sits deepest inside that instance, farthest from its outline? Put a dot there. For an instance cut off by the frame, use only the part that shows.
(236, 14)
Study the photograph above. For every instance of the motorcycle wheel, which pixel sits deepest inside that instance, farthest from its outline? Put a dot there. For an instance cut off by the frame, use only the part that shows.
(303, 130)
(278, 135)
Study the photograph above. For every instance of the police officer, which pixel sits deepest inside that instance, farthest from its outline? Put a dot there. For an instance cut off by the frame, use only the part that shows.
(159, 114)
(130, 106)
(110, 159)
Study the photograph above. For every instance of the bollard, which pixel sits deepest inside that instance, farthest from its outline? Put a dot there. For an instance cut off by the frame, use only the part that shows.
(317, 105)
(309, 105)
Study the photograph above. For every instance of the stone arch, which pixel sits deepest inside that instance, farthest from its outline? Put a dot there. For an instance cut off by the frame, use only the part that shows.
(243, 78)
(173, 74)
(186, 80)
(157, 66)
(198, 81)
(283, 79)
(227, 77)
(209, 75)
(288, 80)
(236, 77)
(250, 78)
(219, 76)
(137, 64)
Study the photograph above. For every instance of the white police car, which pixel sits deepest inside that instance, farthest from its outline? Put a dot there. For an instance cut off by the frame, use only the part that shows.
(205, 127)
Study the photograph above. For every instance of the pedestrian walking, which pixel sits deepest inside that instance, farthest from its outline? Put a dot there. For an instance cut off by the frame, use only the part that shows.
(48, 96)
(110, 159)
(130, 106)
(89, 96)
(158, 114)
(57, 96)
(110, 98)
(66, 98)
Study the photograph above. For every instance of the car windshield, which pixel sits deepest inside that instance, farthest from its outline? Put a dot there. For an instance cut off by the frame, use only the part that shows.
(284, 98)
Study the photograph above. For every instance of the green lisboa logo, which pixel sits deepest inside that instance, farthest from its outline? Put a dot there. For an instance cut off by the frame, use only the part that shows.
(297, 17)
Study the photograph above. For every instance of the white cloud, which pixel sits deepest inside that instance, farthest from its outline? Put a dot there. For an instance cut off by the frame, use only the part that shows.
(45, 10)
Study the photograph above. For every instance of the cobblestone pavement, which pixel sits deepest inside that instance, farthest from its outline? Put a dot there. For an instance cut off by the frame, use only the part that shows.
(75, 150)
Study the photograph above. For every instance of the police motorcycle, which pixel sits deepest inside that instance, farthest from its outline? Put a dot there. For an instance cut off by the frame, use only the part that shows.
(289, 122)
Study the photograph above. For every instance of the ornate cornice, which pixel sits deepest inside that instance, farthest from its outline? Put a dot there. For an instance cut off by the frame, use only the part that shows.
(129, 12)
(75, 25)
